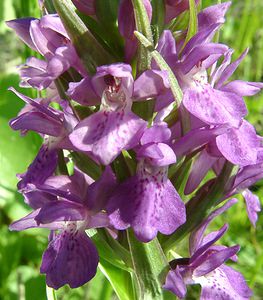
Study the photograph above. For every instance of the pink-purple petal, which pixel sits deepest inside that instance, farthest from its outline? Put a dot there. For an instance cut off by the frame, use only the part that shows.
(215, 107)
(215, 260)
(71, 258)
(175, 283)
(252, 205)
(139, 203)
(239, 145)
(106, 134)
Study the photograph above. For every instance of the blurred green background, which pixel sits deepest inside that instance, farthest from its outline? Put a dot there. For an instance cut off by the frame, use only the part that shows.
(20, 253)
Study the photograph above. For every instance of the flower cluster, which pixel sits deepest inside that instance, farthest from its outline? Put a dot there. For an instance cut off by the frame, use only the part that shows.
(121, 151)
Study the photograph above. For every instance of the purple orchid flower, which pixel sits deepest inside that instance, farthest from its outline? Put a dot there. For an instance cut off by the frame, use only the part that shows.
(206, 266)
(212, 106)
(53, 125)
(148, 198)
(65, 206)
(114, 127)
(48, 37)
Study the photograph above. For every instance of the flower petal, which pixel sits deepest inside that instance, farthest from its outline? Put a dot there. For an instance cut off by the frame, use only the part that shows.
(175, 283)
(239, 146)
(253, 206)
(98, 192)
(106, 134)
(144, 204)
(212, 15)
(196, 236)
(224, 283)
(199, 169)
(156, 134)
(215, 260)
(214, 107)
(69, 259)
(41, 168)
(21, 27)
(83, 92)
(61, 210)
(29, 221)
(150, 84)
(243, 88)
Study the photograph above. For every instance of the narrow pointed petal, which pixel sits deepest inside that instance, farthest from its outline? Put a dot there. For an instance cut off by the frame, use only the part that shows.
(230, 69)
(49, 111)
(212, 15)
(175, 283)
(201, 37)
(199, 169)
(21, 27)
(200, 255)
(61, 210)
(196, 138)
(215, 260)
(167, 48)
(38, 122)
(196, 236)
(248, 176)
(29, 221)
(243, 88)
(253, 206)
(71, 258)
(200, 53)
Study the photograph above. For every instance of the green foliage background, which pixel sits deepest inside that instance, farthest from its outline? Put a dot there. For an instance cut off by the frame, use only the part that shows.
(20, 253)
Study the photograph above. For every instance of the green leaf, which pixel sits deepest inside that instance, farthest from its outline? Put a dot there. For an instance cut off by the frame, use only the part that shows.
(144, 27)
(90, 51)
(110, 252)
(193, 23)
(150, 266)
(120, 280)
(86, 164)
(158, 18)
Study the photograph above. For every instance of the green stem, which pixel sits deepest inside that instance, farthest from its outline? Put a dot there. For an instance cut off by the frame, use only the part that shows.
(150, 266)
(144, 27)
